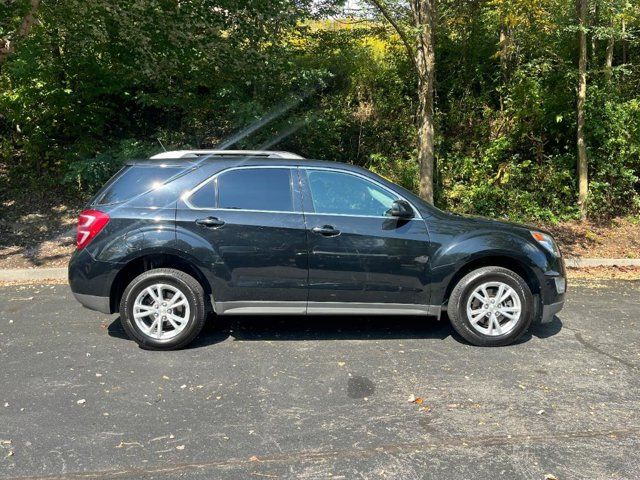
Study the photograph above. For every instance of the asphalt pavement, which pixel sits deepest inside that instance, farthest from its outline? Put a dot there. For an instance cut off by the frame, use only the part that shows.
(320, 397)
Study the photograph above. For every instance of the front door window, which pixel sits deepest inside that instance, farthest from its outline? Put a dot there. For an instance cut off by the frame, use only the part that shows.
(344, 194)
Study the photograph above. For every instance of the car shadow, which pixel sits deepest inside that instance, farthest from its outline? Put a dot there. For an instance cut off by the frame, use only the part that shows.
(546, 330)
(335, 327)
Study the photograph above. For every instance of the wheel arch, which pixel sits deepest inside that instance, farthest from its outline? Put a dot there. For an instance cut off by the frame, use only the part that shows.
(149, 261)
(514, 264)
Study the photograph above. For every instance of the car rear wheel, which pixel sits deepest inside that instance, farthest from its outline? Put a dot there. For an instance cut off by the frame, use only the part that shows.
(163, 309)
(491, 306)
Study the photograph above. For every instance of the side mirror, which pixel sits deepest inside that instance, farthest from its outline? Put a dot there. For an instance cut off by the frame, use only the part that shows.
(401, 209)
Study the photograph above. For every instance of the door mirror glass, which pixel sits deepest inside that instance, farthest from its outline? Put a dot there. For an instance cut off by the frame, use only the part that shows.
(401, 209)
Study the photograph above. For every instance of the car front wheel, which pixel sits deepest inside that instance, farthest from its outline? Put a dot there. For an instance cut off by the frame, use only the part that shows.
(491, 306)
(163, 309)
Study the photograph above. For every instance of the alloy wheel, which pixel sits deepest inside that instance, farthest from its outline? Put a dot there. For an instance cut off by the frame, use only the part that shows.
(494, 308)
(161, 311)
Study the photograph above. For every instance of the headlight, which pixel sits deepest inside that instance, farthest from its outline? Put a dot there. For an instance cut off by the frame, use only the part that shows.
(547, 242)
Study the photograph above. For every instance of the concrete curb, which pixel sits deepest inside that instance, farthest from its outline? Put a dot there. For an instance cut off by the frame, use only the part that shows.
(40, 274)
(577, 262)
(33, 274)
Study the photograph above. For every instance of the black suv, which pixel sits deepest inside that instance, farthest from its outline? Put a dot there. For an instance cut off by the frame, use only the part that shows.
(170, 239)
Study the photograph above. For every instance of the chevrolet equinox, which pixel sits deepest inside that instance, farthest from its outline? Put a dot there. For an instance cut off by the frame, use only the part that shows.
(170, 239)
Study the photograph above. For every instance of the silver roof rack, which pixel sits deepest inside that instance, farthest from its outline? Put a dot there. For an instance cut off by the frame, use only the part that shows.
(225, 153)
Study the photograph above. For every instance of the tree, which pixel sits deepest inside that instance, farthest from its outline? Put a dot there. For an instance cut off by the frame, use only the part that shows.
(416, 31)
(8, 43)
(583, 179)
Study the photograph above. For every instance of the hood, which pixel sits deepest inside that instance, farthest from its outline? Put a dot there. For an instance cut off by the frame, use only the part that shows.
(482, 222)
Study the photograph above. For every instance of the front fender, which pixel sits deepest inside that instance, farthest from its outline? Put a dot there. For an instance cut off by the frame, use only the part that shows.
(452, 257)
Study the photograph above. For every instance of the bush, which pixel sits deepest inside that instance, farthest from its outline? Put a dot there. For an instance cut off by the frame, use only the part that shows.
(87, 175)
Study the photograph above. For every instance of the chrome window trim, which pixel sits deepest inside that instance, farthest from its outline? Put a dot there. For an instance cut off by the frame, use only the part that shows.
(186, 195)
(364, 177)
(214, 178)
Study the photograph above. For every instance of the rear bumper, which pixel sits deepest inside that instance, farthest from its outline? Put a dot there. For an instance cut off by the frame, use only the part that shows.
(548, 311)
(91, 280)
(94, 302)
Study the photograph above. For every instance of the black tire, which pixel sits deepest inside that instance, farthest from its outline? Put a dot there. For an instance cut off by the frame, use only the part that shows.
(457, 307)
(193, 292)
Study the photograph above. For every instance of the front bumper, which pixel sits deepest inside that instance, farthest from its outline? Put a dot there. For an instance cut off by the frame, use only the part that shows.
(548, 311)
(553, 291)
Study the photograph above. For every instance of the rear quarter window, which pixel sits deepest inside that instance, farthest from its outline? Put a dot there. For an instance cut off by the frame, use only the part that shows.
(134, 180)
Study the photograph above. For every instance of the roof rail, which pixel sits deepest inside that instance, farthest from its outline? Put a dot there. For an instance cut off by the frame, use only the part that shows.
(225, 153)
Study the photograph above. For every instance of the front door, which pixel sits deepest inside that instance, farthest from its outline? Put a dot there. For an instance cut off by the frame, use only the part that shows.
(256, 243)
(358, 254)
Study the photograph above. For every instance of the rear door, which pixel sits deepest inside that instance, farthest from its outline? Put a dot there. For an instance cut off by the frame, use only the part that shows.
(256, 246)
(358, 254)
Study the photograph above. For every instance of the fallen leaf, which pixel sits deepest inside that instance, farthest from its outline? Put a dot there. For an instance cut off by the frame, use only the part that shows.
(549, 476)
(129, 444)
(341, 364)
(253, 458)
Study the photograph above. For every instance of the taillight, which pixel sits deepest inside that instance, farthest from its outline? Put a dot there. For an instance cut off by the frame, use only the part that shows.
(90, 223)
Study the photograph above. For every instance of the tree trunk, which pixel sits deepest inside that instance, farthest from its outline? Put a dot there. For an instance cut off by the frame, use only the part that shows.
(420, 48)
(7, 45)
(583, 184)
(424, 20)
(593, 12)
(608, 58)
(504, 52)
(624, 41)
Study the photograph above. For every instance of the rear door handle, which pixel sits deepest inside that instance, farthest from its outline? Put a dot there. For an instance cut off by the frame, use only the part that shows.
(210, 222)
(326, 230)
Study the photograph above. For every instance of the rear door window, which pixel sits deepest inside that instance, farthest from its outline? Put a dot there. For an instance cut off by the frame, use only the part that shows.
(134, 180)
(266, 189)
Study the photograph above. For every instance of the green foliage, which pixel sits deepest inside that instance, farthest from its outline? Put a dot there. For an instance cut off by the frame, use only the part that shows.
(616, 156)
(89, 174)
(98, 82)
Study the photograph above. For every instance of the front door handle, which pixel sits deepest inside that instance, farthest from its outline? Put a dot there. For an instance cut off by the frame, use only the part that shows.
(210, 222)
(326, 231)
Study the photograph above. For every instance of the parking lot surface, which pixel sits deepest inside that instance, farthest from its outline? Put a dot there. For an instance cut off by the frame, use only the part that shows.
(320, 397)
